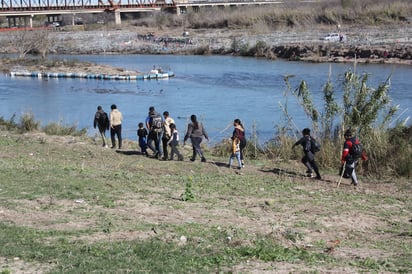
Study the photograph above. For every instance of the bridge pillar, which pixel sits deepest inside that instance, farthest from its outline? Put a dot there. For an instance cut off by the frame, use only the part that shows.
(31, 20)
(20, 21)
(117, 18)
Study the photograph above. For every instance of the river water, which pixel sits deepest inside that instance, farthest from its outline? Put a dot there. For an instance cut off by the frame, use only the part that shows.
(215, 88)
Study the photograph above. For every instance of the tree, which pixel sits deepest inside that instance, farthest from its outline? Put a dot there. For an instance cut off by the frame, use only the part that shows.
(32, 41)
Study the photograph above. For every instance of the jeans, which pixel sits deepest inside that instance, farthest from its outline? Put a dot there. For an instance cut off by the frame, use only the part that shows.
(164, 142)
(174, 151)
(102, 131)
(155, 136)
(309, 161)
(196, 141)
(143, 145)
(116, 130)
(236, 155)
(353, 175)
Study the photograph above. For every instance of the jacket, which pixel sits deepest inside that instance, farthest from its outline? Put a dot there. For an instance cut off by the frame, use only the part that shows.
(193, 132)
(115, 118)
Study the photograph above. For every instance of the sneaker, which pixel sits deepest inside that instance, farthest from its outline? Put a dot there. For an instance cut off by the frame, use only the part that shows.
(112, 147)
(354, 184)
(106, 146)
(318, 178)
(310, 175)
(204, 160)
(192, 159)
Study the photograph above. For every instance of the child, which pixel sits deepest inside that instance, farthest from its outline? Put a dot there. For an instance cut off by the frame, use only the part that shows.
(235, 152)
(174, 142)
(142, 134)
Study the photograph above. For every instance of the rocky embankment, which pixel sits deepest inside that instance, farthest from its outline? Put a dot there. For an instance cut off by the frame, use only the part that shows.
(374, 45)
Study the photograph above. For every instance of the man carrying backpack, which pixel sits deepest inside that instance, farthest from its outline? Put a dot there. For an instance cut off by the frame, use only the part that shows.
(352, 151)
(101, 120)
(154, 124)
(310, 147)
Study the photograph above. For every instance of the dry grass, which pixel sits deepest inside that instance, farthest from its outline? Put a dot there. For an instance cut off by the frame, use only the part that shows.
(292, 14)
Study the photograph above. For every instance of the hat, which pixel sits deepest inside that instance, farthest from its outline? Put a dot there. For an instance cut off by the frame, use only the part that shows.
(306, 131)
(348, 133)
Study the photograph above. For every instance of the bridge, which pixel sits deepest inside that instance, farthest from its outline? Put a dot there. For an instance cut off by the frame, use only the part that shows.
(22, 12)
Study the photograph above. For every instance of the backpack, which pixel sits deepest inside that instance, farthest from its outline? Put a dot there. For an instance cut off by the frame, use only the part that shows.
(356, 149)
(314, 145)
(156, 121)
(103, 119)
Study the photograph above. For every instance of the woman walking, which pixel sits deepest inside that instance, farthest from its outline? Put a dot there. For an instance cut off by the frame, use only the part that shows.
(196, 131)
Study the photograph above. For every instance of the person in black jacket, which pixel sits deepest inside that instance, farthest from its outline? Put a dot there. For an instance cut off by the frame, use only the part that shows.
(309, 158)
(101, 121)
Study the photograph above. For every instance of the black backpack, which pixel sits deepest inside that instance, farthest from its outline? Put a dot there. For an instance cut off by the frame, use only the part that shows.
(103, 119)
(356, 149)
(156, 121)
(314, 145)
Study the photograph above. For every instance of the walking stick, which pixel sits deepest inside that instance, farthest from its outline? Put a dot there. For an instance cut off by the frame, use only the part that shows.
(343, 171)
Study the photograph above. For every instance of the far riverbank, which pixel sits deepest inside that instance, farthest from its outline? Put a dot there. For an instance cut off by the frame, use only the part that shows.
(365, 45)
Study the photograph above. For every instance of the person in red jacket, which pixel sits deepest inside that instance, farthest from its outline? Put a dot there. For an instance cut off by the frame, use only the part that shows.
(350, 156)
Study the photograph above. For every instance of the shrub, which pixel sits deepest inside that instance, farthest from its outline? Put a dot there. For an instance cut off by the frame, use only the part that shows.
(28, 123)
(9, 124)
(63, 130)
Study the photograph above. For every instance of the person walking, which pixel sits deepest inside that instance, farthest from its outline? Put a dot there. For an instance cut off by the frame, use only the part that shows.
(101, 121)
(142, 135)
(307, 143)
(154, 124)
(196, 131)
(352, 152)
(167, 121)
(174, 143)
(239, 132)
(116, 119)
(235, 152)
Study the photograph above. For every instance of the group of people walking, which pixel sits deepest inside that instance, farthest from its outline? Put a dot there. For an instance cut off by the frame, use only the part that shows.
(158, 133)
(351, 154)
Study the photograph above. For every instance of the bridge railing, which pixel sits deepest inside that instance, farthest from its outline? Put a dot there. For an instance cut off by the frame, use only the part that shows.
(7, 5)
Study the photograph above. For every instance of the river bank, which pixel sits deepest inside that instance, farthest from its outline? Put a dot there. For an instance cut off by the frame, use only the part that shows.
(365, 45)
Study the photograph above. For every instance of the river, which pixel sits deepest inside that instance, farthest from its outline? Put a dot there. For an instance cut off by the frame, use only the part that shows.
(215, 88)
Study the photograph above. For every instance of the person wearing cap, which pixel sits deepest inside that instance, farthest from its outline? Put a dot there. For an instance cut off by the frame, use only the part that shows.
(116, 126)
(309, 158)
(348, 159)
